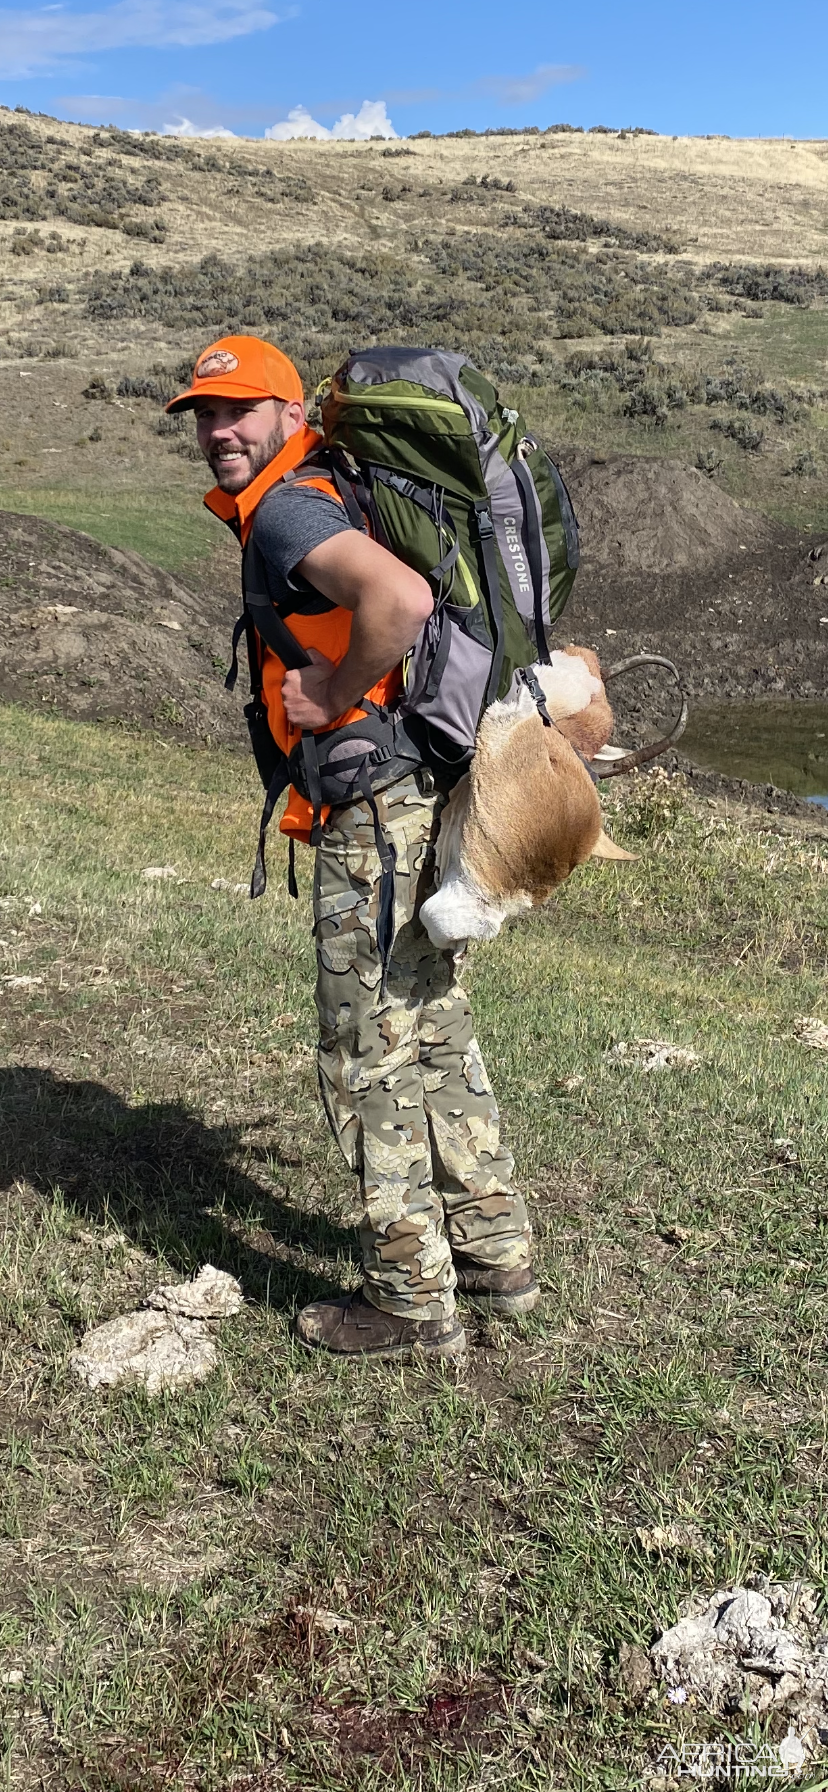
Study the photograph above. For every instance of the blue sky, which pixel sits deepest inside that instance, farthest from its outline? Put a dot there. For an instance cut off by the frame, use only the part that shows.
(677, 66)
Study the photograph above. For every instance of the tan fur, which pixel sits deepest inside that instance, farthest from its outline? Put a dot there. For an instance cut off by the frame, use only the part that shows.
(533, 812)
(591, 728)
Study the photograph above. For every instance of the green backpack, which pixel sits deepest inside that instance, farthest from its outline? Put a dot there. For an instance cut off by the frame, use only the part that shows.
(417, 442)
(454, 485)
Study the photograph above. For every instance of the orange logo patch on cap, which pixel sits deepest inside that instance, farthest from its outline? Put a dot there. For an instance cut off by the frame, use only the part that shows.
(220, 361)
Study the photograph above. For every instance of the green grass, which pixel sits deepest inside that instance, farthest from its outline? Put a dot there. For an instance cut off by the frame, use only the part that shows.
(789, 342)
(474, 1528)
(169, 527)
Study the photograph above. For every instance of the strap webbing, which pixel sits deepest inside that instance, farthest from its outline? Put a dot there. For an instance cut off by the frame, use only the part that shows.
(486, 536)
(346, 493)
(238, 631)
(446, 565)
(278, 783)
(429, 499)
(422, 495)
(276, 633)
(438, 664)
(533, 550)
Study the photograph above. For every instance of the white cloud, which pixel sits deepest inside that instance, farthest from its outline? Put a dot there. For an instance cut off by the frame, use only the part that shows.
(355, 127)
(37, 40)
(297, 124)
(184, 127)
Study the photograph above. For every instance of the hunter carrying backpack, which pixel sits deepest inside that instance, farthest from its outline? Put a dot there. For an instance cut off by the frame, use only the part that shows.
(417, 442)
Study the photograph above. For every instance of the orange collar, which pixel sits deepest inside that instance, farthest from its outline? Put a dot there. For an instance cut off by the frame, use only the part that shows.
(240, 510)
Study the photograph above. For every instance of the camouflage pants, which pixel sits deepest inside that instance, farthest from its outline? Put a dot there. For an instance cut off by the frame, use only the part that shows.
(402, 1080)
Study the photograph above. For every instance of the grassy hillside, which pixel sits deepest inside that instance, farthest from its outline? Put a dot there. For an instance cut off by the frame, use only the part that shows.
(629, 292)
(319, 1576)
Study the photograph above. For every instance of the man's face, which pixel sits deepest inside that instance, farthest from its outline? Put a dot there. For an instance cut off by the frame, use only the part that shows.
(239, 439)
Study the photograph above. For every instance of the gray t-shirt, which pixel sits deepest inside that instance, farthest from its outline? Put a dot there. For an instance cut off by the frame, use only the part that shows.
(289, 522)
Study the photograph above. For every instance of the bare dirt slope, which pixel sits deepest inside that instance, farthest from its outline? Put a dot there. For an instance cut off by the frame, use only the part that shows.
(96, 633)
(673, 565)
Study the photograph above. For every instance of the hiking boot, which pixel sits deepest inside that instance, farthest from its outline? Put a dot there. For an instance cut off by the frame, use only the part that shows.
(497, 1290)
(351, 1326)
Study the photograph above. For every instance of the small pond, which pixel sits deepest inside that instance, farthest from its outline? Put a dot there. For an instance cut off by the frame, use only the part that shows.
(769, 743)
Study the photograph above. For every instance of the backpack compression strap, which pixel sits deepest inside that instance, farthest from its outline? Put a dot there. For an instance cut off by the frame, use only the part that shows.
(533, 550)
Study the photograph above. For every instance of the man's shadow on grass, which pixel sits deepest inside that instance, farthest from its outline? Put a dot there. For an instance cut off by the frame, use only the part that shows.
(164, 1179)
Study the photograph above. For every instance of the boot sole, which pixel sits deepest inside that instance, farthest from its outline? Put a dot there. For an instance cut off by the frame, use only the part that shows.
(524, 1302)
(454, 1345)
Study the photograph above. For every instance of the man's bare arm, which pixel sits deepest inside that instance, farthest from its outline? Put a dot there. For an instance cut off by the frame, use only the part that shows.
(389, 602)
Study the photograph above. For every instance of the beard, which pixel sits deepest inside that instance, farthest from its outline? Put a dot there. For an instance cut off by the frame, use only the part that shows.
(233, 476)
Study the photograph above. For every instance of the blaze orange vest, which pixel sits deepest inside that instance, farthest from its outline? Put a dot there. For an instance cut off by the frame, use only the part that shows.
(329, 633)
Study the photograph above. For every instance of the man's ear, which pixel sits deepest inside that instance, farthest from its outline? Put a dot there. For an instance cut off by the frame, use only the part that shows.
(293, 417)
(605, 848)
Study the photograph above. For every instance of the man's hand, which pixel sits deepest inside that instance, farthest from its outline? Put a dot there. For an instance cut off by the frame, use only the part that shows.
(307, 695)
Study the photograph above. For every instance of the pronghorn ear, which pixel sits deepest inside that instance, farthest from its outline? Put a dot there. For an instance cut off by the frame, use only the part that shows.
(605, 848)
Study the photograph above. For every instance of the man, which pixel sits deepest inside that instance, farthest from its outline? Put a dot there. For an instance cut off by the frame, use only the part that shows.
(402, 1081)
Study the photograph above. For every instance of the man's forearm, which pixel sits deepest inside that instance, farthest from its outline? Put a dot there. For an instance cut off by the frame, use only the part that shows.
(378, 643)
(389, 603)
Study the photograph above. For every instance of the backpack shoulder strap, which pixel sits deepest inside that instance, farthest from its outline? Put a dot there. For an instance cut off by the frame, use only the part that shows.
(324, 470)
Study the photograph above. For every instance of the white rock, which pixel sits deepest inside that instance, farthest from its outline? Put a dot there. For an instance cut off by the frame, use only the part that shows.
(750, 1649)
(211, 1295)
(811, 1032)
(22, 982)
(223, 883)
(148, 1349)
(159, 871)
(743, 1615)
(169, 1343)
(652, 1054)
(684, 1640)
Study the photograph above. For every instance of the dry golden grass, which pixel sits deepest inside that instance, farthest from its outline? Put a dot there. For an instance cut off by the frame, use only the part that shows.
(724, 198)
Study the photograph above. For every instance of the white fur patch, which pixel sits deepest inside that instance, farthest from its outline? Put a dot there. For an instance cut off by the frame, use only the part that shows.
(567, 684)
(458, 911)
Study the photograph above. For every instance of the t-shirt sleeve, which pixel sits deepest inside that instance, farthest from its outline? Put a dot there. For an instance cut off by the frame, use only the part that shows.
(292, 521)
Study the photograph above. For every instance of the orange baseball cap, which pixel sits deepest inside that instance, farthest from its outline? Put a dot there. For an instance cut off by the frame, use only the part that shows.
(241, 367)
